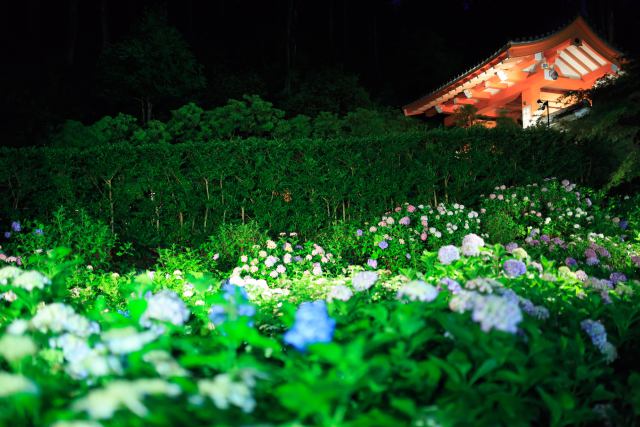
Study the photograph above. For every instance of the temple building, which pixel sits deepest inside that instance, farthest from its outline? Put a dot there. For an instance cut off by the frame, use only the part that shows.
(527, 80)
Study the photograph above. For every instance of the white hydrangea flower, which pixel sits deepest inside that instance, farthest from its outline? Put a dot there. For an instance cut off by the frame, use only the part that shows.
(471, 244)
(9, 272)
(15, 347)
(339, 292)
(103, 403)
(57, 317)
(128, 339)
(224, 391)
(417, 290)
(11, 384)
(165, 306)
(164, 364)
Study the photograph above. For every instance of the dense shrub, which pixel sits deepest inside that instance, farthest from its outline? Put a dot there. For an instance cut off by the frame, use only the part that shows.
(167, 193)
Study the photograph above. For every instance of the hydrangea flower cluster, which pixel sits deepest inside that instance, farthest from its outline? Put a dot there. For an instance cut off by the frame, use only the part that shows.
(104, 402)
(448, 254)
(514, 268)
(363, 280)
(284, 258)
(165, 306)
(312, 325)
(490, 311)
(596, 331)
(471, 245)
(339, 292)
(224, 390)
(236, 306)
(417, 290)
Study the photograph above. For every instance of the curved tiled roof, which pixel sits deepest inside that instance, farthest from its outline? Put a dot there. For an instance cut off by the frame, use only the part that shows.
(505, 48)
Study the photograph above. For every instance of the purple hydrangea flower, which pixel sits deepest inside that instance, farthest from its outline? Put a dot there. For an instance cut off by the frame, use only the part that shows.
(593, 261)
(581, 275)
(511, 246)
(15, 226)
(636, 260)
(358, 232)
(270, 261)
(408, 255)
(453, 286)
(448, 254)
(616, 277)
(372, 263)
(7, 234)
(624, 224)
(405, 220)
(312, 325)
(514, 267)
(383, 245)
(602, 251)
(590, 253)
(570, 262)
(545, 238)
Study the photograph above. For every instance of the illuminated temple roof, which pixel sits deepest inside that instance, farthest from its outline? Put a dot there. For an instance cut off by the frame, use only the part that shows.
(515, 77)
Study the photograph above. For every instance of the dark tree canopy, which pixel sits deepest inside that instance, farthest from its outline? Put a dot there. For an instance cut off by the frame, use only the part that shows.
(155, 64)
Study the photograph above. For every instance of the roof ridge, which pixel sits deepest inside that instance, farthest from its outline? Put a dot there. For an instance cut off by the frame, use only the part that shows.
(512, 42)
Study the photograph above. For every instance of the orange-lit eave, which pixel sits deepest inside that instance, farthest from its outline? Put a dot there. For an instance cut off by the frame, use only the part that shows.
(417, 107)
(577, 29)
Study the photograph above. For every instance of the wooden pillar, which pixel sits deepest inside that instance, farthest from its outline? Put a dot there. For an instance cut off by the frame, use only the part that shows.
(530, 97)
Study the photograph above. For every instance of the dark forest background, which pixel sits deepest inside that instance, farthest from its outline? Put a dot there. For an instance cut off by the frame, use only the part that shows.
(305, 56)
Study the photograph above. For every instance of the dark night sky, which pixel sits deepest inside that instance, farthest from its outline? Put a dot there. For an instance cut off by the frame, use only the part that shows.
(400, 49)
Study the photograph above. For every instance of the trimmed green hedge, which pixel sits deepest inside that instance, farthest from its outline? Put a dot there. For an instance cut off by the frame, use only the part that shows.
(155, 194)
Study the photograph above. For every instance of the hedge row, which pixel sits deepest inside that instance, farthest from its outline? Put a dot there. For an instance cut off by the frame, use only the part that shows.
(155, 194)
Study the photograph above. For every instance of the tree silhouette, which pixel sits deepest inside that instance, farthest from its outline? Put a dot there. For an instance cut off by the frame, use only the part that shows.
(154, 64)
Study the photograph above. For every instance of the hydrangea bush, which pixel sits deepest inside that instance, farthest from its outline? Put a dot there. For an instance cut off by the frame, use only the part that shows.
(304, 333)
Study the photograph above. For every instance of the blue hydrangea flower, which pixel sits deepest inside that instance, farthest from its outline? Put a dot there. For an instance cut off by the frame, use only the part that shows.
(448, 254)
(312, 325)
(237, 305)
(38, 231)
(623, 224)
(514, 267)
(383, 245)
(15, 226)
(359, 232)
(596, 331)
(7, 234)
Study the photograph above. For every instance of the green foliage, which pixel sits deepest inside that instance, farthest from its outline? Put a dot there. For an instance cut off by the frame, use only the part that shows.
(230, 241)
(330, 90)
(91, 240)
(614, 120)
(503, 228)
(169, 193)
